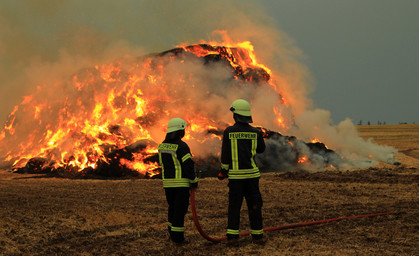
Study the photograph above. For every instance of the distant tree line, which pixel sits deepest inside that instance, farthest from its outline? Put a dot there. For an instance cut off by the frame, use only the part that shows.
(406, 122)
(380, 122)
(369, 123)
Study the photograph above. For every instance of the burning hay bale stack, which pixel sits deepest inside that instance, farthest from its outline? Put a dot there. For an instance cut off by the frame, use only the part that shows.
(216, 54)
(283, 153)
(111, 117)
(112, 167)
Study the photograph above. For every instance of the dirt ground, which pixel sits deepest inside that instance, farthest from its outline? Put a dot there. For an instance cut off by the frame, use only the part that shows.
(56, 216)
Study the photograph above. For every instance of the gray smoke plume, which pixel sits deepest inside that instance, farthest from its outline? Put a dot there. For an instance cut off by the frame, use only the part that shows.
(46, 45)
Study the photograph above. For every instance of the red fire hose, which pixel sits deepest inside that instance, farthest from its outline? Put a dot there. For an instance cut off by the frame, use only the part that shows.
(219, 239)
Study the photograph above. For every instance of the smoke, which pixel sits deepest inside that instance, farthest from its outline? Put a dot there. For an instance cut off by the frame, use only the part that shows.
(44, 43)
(344, 138)
(36, 34)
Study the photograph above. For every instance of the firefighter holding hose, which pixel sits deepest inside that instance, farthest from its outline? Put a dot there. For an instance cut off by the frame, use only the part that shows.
(240, 144)
(178, 173)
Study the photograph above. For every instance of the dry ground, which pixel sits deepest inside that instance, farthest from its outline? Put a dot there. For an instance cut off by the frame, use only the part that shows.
(52, 216)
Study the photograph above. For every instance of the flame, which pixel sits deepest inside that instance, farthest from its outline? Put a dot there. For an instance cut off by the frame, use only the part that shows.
(115, 105)
(302, 159)
(315, 140)
(138, 164)
(280, 119)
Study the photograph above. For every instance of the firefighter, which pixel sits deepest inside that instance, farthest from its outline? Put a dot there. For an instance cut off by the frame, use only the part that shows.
(178, 173)
(240, 144)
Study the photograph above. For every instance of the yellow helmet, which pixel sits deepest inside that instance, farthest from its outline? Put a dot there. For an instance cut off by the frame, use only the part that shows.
(176, 124)
(241, 108)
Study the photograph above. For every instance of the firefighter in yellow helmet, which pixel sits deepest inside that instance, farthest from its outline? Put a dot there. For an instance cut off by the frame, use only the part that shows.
(178, 173)
(240, 144)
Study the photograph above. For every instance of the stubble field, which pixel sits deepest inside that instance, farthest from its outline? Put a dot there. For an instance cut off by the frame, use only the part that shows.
(55, 216)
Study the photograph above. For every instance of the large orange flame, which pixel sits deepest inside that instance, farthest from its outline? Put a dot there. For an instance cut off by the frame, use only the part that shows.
(112, 106)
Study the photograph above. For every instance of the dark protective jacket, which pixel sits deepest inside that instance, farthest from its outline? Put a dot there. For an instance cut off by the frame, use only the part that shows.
(177, 165)
(240, 144)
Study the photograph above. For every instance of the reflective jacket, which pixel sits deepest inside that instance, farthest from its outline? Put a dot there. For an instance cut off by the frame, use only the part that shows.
(240, 144)
(177, 165)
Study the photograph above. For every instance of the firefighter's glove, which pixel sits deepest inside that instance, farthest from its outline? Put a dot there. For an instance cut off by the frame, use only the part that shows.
(222, 174)
(194, 185)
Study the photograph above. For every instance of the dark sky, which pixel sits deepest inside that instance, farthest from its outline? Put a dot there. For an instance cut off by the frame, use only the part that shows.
(363, 54)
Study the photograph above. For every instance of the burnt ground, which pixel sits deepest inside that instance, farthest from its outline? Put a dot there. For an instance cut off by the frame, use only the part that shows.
(52, 216)
(56, 216)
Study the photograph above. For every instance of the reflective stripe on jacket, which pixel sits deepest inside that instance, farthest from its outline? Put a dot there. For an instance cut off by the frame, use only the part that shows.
(177, 164)
(240, 144)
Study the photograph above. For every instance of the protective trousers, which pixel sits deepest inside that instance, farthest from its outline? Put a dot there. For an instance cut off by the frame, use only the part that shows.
(178, 200)
(249, 189)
